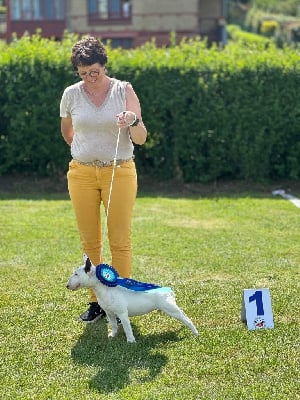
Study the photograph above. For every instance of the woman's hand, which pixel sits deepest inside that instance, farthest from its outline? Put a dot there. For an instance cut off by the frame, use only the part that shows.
(126, 118)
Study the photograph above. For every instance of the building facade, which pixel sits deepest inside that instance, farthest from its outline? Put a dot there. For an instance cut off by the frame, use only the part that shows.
(126, 23)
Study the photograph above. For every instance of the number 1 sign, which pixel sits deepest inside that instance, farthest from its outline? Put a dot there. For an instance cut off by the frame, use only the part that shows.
(257, 309)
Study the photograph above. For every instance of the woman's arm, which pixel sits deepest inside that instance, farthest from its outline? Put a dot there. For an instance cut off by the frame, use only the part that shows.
(138, 133)
(67, 130)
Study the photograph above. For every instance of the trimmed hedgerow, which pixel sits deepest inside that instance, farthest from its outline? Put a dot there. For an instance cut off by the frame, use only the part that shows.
(244, 38)
(210, 113)
(33, 73)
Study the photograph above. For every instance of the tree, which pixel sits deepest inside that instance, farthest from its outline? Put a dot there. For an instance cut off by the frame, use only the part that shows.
(287, 7)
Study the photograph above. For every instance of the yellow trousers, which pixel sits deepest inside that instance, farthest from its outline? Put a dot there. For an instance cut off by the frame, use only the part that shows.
(89, 187)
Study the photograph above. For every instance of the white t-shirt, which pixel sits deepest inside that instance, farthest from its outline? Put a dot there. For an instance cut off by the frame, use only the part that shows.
(95, 127)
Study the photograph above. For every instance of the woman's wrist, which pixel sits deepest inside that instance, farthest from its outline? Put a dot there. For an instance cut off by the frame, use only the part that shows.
(135, 122)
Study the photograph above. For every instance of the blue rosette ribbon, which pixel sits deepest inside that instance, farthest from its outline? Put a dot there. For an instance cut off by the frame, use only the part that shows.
(108, 276)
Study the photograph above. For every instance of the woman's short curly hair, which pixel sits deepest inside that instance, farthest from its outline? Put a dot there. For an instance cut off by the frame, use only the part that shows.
(88, 51)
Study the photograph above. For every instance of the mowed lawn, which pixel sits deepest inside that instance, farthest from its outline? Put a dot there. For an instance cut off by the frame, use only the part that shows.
(207, 246)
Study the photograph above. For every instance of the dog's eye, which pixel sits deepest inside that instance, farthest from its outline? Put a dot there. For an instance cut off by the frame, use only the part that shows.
(75, 273)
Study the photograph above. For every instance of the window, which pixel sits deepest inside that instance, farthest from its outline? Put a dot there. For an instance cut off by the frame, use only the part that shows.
(37, 9)
(109, 9)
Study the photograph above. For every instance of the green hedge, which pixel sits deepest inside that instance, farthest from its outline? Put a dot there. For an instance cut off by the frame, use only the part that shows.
(210, 113)
(244, 38)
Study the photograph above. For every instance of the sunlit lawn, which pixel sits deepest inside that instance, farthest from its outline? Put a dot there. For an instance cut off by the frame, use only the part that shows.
(208, 248)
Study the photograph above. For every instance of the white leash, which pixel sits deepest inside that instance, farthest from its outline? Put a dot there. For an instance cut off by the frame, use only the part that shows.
(105, 224)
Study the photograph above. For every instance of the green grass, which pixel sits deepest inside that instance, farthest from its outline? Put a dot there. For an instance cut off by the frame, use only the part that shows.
(208, 248)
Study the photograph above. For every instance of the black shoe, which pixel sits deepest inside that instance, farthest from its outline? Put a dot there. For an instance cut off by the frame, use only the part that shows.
(93, 313)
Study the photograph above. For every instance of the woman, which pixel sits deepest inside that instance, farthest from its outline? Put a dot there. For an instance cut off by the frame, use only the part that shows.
(97, 113)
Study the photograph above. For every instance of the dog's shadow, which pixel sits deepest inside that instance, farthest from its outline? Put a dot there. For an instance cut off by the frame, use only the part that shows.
(119, 362)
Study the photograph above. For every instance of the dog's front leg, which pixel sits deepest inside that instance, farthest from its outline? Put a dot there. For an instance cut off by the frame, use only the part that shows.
(113, 323)
(127, 327)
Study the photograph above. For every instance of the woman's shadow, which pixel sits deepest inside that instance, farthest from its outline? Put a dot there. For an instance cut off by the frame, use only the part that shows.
(117, 360)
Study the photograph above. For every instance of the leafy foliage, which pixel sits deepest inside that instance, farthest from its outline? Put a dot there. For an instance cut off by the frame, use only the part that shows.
(210, 113)
(287, 7)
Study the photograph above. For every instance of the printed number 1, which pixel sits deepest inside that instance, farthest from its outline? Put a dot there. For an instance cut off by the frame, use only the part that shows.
(257, 296)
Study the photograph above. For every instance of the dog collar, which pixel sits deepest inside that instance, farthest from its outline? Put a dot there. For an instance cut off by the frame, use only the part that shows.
(108, 276)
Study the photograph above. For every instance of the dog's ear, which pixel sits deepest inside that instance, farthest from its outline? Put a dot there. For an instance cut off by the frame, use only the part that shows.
(88, 265)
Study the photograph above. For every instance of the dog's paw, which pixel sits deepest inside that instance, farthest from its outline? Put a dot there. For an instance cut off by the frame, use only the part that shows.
(131, 340)
(112, 334)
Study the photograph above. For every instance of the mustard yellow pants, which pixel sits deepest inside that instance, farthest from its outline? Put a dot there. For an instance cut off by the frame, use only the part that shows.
(89, 187)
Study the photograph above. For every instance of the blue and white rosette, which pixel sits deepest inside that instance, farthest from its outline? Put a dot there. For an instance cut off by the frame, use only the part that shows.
(108, 276)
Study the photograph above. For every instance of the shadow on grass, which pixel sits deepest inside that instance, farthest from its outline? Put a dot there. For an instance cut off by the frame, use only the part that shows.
(120, 363)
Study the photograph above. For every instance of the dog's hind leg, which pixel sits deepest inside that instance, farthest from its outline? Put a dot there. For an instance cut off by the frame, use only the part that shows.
(127, 327)
(174, 311)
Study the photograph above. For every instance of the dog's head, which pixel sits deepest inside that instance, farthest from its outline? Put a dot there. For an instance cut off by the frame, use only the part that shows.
(83, 276)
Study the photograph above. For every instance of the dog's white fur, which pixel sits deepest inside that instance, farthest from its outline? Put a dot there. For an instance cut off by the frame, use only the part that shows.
(123, 303)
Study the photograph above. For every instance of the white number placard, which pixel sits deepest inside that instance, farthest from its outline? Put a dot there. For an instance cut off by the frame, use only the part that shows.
(257, 309)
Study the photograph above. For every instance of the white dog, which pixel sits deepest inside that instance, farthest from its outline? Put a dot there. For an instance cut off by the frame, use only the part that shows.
(121, 302)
